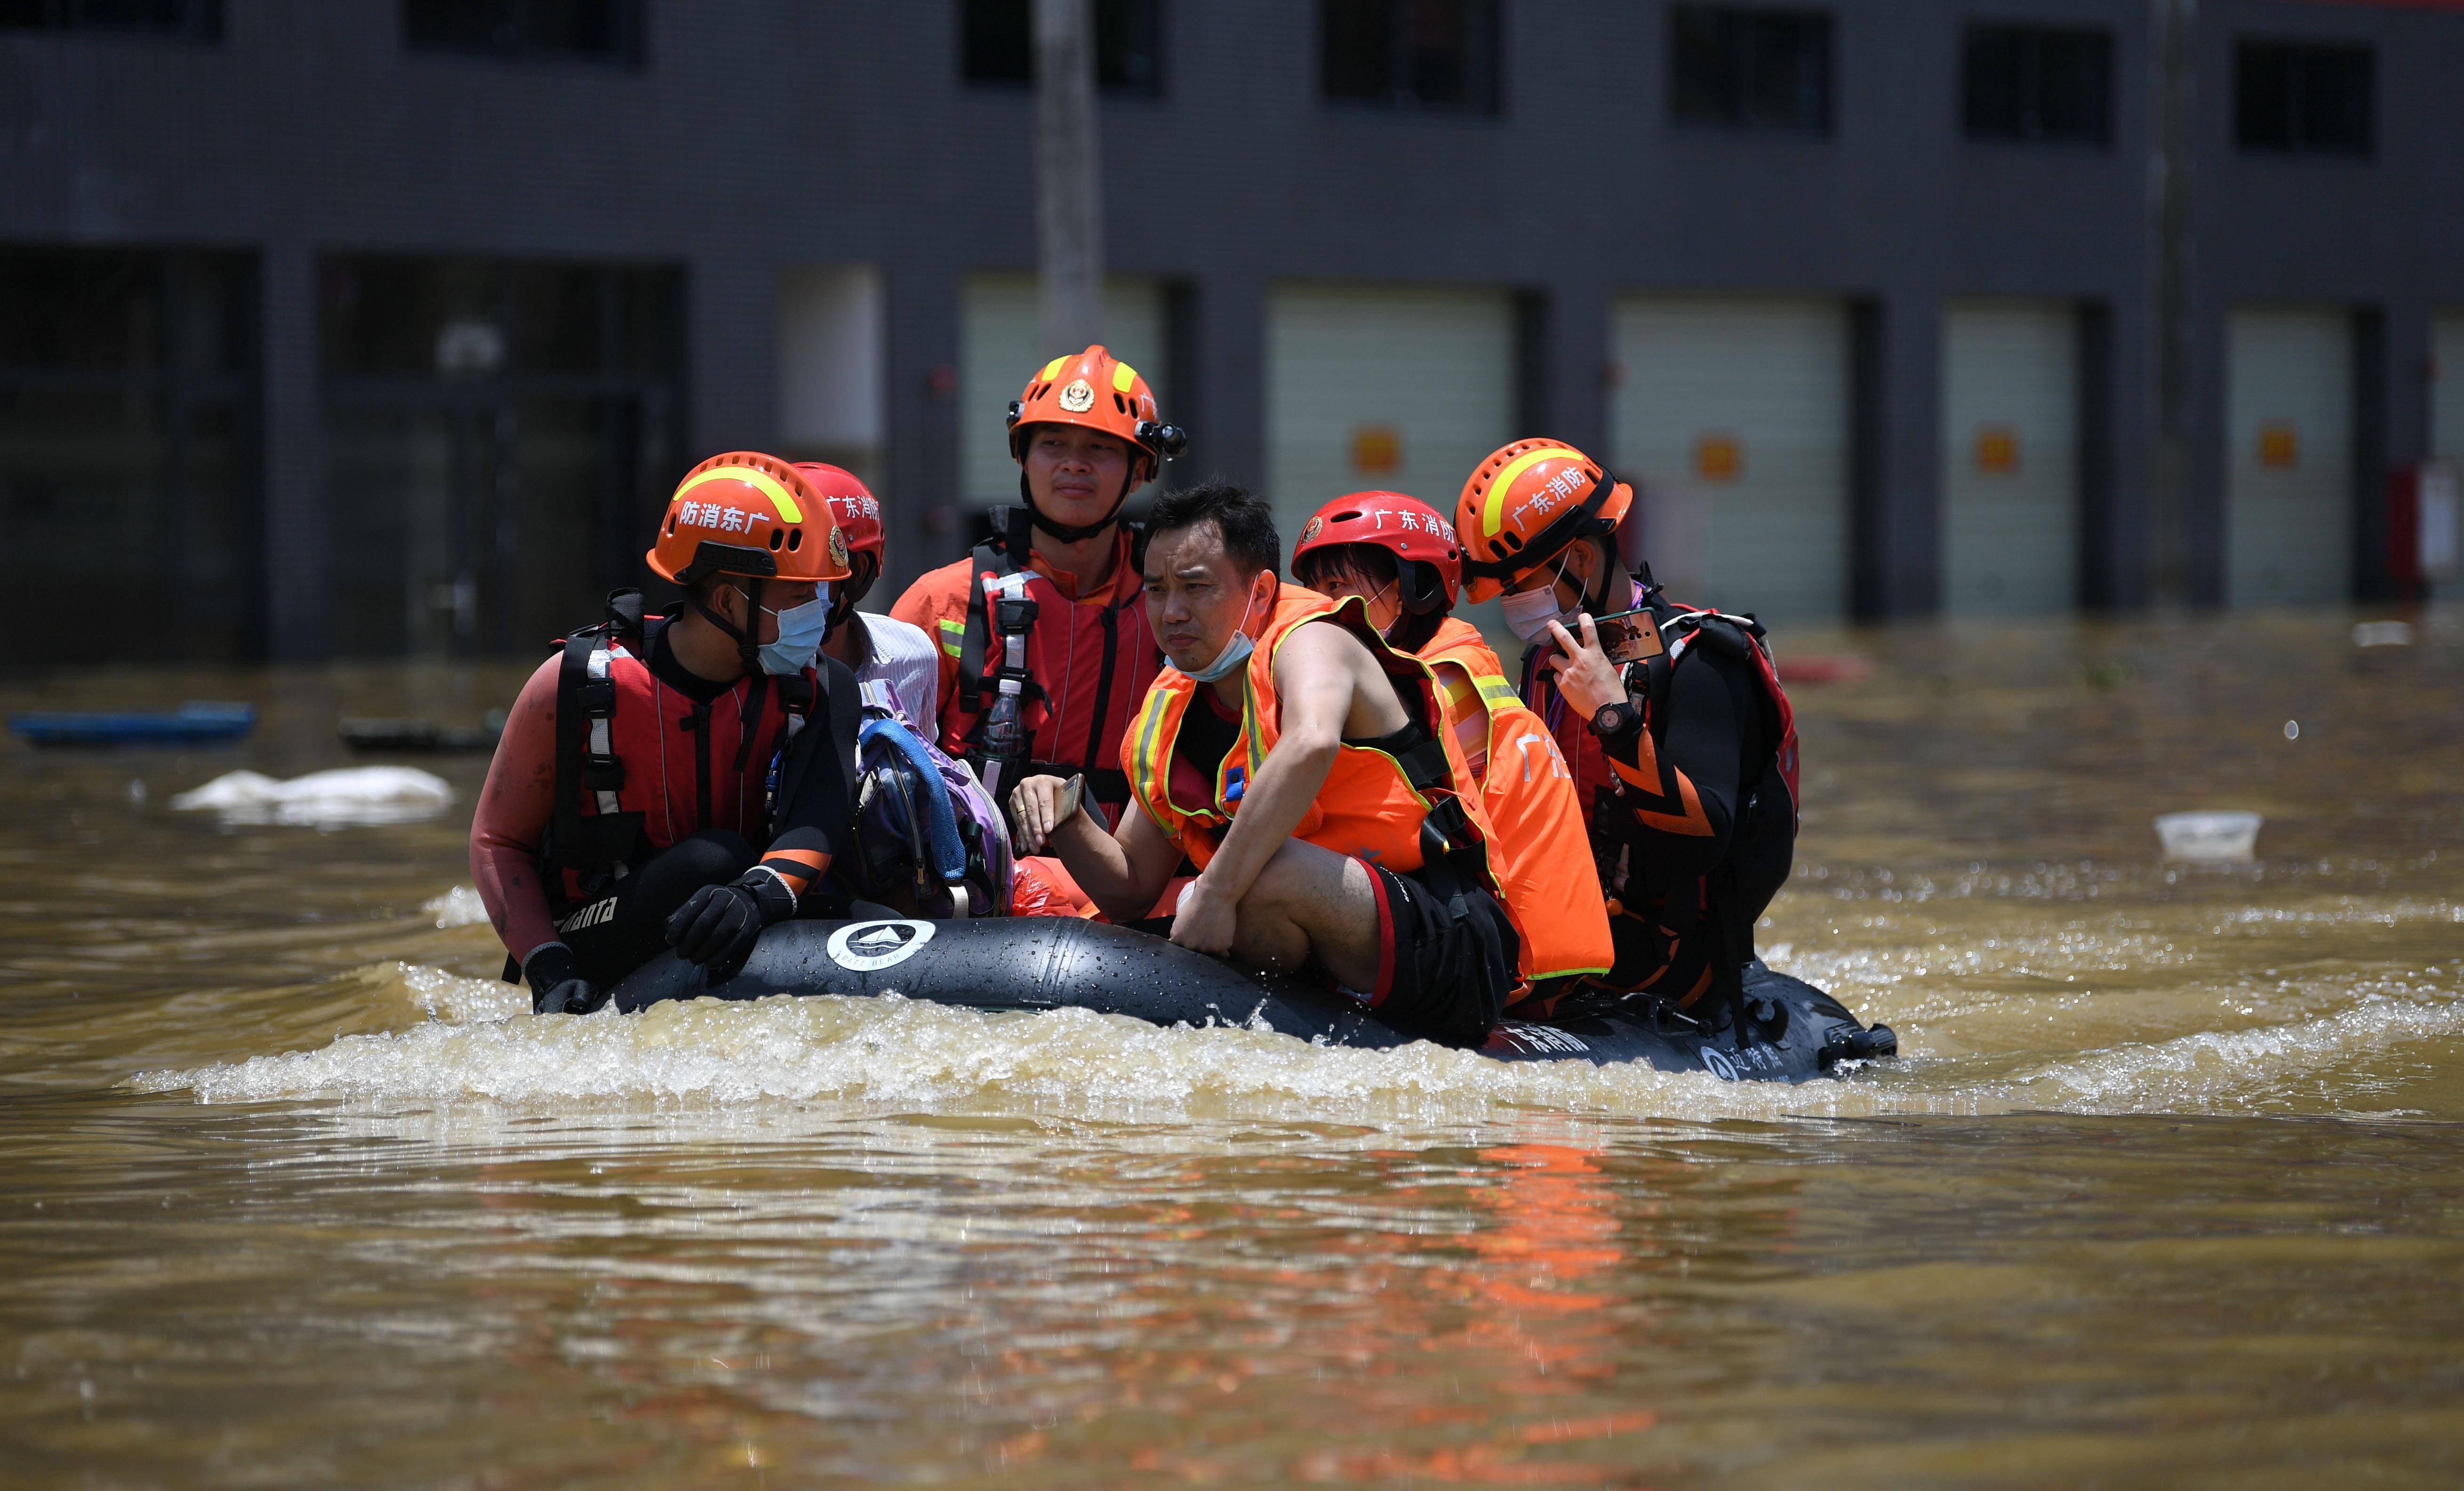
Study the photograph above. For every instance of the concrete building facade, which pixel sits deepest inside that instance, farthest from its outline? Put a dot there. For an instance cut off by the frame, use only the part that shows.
(1875, 352)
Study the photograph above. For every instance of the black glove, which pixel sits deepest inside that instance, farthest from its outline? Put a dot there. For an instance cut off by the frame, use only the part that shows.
(557, 985)
(718, 926)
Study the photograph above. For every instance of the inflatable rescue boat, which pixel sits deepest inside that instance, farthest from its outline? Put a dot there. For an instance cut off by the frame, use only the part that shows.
(1796, 1032)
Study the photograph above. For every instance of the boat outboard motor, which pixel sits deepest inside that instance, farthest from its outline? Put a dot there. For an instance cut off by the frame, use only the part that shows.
(924, 829)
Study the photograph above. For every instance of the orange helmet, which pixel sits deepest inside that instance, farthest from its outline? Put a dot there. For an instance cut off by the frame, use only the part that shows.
(748, 514)
(1525, 503)
(1100, 391)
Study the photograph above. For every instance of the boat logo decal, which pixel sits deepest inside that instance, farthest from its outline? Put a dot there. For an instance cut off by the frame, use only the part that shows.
(1542, 1037)
(1719, 1065)
(866, 946)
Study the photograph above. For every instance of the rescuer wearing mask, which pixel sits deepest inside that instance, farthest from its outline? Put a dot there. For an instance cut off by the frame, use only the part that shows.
(1045, 647)
(1684, 762)
(1400, 558)
(679, 780)
(877, 648)
(1306, 767)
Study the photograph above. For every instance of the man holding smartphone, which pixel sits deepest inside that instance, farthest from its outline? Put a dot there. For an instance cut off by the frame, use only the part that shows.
(1682, 744)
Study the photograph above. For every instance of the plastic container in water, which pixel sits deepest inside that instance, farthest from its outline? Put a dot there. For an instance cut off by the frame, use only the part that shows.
(192, 723)
(2215, 836)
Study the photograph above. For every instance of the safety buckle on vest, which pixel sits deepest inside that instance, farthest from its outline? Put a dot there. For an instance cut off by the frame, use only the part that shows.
(598, 697)
(603, 774)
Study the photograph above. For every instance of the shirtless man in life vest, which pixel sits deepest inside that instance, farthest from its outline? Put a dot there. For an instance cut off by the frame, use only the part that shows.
(1400, 557)
(1306, 768)
(680, 780)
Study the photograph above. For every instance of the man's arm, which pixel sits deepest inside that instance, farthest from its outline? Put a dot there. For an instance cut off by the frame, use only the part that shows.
(1314, 682)
(1123, 871)
(511, 817)
(1684, 791)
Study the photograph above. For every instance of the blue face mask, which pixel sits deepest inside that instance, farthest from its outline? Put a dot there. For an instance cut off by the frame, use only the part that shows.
(1236, 652)
(800, 635)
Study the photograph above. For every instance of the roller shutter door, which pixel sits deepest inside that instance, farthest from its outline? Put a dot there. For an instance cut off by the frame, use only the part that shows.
(2447, 406)
(2010, 457)
(2289, 417)
(1000, 345)
(1403, 389)
(1737, 411)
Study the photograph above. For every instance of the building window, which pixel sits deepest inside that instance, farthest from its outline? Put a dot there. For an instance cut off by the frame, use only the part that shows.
(1742, 68)
(2032, 82)
(128, 451)
(590, 31)
(1410, 53)
(2297, 98)
(499, 437)
(997, 44)
(196, 20)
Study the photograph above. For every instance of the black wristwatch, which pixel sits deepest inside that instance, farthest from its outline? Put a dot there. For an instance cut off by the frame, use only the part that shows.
(1615, 718)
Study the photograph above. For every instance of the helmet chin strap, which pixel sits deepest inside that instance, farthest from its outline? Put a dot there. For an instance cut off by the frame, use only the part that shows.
(748, 651)
(844, 598)
(1075, 532)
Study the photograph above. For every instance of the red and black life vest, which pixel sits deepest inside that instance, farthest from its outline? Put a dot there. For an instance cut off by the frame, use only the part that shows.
(640, 766)
(1086, 666)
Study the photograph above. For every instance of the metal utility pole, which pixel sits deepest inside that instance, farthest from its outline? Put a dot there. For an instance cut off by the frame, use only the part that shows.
(1068, 180)
(2170, 185)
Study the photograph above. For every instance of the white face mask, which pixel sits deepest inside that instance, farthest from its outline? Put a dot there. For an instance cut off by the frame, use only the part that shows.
(1530, 611)
(1235, 653)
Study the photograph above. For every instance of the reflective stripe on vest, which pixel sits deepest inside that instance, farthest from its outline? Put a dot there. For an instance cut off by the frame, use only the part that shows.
(602, 742)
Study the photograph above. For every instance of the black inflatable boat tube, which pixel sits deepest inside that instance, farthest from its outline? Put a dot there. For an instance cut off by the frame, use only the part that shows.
(1054, 963)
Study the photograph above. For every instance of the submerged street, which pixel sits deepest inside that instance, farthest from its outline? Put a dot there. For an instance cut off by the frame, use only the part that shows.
(2167, 1185)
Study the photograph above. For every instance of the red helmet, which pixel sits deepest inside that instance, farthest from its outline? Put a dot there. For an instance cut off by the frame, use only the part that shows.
(1428, 561)
(857, 510)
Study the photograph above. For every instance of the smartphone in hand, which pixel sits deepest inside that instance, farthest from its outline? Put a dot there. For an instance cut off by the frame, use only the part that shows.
(1630, 635)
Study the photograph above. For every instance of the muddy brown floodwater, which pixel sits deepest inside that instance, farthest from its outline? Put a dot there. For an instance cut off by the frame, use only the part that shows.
(2167, 1188)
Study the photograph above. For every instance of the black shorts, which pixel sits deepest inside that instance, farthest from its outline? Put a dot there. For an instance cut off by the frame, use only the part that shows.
(1447, 954)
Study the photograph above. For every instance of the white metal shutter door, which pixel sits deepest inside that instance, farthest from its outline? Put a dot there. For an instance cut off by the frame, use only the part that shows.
(1400, 389)
(1741, 406)
(2010, 457)
(2289, 417)
(1000, 347)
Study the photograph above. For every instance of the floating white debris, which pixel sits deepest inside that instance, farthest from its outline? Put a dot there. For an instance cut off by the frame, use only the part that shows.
(2209, 835)
(2383, 633)
(460, 906)
(344, 797)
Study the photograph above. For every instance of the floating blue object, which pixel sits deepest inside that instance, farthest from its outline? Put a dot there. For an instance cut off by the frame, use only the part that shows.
(192, 723)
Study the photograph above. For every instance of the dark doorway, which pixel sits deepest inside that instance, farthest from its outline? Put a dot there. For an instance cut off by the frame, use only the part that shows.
(498, 439)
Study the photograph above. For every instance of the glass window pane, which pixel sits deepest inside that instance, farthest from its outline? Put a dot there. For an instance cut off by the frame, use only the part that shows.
(1355, 49)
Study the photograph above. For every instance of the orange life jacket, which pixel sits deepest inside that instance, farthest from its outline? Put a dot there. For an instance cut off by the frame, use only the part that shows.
(1370, 808)
(1540, 850)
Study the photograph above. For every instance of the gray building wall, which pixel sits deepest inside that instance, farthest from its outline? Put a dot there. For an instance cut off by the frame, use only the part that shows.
(768, 133)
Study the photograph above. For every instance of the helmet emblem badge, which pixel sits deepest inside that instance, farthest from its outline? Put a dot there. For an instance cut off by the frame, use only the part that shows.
(838, 548)
(1079, 397)
(1314, 524)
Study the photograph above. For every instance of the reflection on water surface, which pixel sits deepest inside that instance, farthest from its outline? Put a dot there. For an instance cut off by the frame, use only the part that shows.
(2167, 1190)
